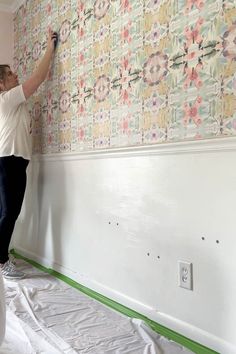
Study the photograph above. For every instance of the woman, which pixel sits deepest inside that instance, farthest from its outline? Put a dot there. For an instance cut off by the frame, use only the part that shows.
(15, 148)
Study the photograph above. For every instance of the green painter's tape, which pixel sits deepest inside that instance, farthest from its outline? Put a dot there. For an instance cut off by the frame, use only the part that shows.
(164, 331)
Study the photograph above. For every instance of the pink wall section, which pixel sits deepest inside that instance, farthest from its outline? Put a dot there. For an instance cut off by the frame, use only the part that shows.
(6, 38)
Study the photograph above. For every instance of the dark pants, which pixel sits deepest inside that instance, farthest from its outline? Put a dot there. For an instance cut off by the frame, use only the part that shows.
(12, 190)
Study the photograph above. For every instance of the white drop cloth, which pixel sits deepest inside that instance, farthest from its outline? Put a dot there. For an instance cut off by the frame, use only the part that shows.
(47, 316)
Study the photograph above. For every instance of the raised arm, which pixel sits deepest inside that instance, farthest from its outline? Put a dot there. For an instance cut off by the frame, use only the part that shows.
(40, 73)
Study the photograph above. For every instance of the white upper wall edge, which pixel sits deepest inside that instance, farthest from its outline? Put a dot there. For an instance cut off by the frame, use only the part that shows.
(12, 6)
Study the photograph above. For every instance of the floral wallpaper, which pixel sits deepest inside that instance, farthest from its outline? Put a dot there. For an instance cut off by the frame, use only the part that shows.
(129, 72)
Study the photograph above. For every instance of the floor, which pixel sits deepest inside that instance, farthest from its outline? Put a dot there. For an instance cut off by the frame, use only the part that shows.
(47, 316)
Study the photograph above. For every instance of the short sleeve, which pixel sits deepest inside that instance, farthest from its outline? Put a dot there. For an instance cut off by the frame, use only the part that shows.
(13, 97)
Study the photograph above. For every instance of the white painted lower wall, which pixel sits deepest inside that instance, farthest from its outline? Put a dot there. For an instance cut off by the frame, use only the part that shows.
(96, 216)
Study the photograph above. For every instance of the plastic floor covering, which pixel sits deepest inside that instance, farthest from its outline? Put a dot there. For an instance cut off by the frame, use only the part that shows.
(47, 316)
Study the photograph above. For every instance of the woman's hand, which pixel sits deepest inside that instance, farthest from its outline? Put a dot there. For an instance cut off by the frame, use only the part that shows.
(52, 39)
(40, 73)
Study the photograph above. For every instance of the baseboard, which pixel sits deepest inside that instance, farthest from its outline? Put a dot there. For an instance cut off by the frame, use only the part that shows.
(195, 339)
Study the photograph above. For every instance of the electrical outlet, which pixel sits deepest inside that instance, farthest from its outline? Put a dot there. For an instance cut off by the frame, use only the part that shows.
(185, 273)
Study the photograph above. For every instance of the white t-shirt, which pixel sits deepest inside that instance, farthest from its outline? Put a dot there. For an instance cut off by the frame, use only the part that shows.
(15, 132)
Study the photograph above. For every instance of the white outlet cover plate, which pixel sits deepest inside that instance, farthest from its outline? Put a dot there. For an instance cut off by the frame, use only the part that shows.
(185, 275)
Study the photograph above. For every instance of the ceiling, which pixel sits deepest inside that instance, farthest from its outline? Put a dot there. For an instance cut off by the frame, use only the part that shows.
(10, 5)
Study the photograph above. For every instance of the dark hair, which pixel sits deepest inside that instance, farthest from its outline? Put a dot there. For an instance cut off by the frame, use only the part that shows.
(3, 70)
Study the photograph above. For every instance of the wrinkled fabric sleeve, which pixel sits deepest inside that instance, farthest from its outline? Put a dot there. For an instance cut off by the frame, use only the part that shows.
(13, 97)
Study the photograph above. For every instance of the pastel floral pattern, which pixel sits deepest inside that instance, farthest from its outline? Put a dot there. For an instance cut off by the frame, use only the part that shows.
(229, 43)
(36, 52)
(190, 4)
(64, 101)
(192, 112)
(37, 110)
(102, 88)
(65, 31)
(129, 72)
(100, 8)
(155, 68)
